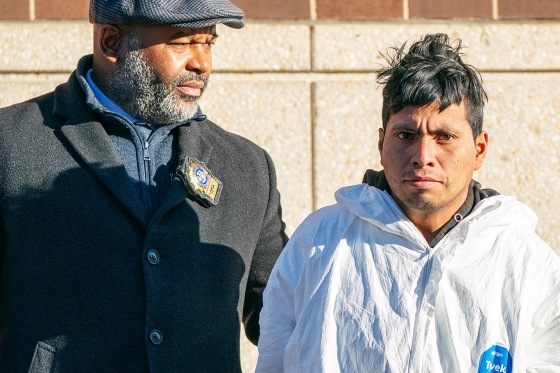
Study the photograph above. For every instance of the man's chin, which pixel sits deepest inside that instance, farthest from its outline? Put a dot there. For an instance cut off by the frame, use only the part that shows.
(176, 119)
(190, 109)
(179, 111)
(422, 202)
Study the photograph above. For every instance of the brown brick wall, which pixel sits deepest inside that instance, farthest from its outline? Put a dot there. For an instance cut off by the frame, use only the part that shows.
(359, 9)
(323, 9)
(529, 9)
(450, 9)
(14, 9)
(274, 9)
(61, 9)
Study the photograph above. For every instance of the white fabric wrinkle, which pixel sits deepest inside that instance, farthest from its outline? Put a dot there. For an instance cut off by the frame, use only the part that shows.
(378, 207)
(365, 300)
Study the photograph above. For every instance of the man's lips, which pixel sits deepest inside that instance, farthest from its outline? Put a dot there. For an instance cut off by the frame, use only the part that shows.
(192, 88)
(421, 182)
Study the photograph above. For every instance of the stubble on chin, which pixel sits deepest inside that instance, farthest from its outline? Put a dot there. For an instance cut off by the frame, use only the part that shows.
(416, 203)
(421, 205)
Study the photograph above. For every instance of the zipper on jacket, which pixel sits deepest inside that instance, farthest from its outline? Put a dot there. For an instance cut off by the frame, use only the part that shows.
(147, 159)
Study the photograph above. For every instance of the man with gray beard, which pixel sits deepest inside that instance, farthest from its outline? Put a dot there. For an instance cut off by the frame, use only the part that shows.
(135, 234)
(151, 98)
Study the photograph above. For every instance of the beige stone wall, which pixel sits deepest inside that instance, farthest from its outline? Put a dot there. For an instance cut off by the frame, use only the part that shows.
(306, 92)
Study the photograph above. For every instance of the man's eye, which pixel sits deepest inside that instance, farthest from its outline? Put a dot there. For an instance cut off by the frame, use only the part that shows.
(445, 137)
(184, 45)
(405, 135)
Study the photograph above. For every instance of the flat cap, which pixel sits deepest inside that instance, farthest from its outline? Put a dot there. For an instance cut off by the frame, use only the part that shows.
(178, 13)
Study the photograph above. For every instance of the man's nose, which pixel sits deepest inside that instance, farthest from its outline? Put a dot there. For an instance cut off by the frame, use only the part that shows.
(423, 152)
(200, 59)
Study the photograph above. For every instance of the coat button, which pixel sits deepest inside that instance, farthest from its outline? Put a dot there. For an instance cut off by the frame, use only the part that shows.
(153, 257)
(156, 337)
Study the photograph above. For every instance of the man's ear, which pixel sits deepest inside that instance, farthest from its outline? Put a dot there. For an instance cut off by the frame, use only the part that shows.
(481, 146)
(380, 141)
(380, 144)
(110, 42)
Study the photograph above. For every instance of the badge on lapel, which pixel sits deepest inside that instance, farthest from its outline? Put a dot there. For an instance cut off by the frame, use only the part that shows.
(199, 181)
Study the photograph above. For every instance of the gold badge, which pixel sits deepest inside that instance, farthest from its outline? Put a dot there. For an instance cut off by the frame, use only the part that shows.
(199, 181)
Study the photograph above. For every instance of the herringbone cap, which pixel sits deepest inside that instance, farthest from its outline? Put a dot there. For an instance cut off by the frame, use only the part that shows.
(178, 13)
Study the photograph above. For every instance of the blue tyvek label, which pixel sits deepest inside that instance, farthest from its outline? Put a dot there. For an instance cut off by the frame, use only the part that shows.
(495, 359)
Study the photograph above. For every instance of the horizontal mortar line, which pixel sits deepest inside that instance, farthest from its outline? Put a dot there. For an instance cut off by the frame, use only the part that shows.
(296, 72)
(520, 71)
(334, 22)
(373, 71)
(27, 72)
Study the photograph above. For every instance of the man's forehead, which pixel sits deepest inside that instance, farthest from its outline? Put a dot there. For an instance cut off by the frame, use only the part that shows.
(433, 108)
(411, 115)
(183, 31)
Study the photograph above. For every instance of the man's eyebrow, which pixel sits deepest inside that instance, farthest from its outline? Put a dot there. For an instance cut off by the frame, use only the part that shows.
(182, 34)
(404, 126)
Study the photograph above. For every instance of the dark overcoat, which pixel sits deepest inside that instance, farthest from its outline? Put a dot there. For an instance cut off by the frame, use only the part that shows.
(90, 283)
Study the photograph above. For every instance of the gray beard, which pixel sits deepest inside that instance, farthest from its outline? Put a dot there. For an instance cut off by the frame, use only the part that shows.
(141, 93)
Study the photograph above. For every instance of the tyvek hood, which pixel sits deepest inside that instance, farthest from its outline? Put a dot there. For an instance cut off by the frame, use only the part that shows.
(379, 208)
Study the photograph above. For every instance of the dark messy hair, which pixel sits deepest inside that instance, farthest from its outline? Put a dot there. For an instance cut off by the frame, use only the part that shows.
(432, 70)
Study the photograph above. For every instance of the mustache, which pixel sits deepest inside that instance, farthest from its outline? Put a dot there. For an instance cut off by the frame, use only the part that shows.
(189, 77)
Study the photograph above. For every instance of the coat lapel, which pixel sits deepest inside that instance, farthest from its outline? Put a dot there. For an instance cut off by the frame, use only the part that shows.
(94, 146)
(90, 141)
(193, 142)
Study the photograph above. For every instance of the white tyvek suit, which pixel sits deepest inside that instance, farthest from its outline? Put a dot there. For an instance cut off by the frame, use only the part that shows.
(358, 289)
